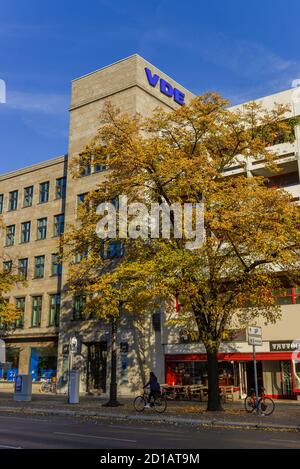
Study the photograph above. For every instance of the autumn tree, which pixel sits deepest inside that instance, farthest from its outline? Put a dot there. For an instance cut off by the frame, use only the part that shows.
(8, 311)
(251, 231)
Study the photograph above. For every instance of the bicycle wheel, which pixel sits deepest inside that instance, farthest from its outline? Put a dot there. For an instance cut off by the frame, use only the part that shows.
(160, 404)
(44, 387)
(139, 403)
(266, 405)
(249, 404)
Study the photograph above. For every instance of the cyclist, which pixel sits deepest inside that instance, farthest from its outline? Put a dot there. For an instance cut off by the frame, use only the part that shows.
(154, 388)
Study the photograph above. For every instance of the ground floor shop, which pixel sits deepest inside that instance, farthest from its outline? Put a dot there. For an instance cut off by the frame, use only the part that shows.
(36, 358)
(278, 373)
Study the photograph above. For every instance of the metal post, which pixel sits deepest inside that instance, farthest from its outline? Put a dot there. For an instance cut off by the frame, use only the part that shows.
(70, 368)
(255, 377)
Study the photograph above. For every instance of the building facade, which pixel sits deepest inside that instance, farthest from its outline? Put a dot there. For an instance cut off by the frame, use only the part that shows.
(37, 202)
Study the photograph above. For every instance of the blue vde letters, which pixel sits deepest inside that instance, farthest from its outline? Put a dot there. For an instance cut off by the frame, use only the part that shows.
(165, 87)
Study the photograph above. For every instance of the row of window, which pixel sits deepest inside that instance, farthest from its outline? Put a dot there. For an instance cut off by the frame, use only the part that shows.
(39, 266)
(53, 312)
(44, 189)
(36, 311)
(88, 169)
(41, 233)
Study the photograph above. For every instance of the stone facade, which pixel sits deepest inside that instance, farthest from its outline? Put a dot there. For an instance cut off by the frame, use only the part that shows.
(140, 346)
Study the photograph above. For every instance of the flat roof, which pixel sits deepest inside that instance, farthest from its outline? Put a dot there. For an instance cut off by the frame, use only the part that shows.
(34, 167)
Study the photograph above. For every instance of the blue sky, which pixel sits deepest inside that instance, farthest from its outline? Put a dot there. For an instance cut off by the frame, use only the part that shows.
(243, 50)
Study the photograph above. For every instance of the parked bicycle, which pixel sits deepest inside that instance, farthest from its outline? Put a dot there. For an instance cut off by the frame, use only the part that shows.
(158, 403)
(264, 405)
(48, 386)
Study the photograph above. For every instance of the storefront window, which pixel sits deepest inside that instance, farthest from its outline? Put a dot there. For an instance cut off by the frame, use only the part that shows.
(195, 372)
(12, 357)
(43, 362)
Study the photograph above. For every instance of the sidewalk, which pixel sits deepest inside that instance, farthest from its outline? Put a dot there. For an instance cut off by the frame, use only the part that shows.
(285, 417)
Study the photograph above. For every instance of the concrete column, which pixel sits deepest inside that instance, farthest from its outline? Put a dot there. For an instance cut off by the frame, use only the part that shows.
(24, 360)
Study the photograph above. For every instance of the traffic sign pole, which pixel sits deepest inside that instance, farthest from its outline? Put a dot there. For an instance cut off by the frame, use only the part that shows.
(255, 377)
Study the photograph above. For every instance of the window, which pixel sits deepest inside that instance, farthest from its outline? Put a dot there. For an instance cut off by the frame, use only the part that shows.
(60, 188)
(23, 268)
(81, 198)
(28, 195)
(20, 304)
(78, 306)
(79, 256)
(44, 192)
(13, 201)
(41, 228)
(56, 266)
(1, 203)
(36, 311)
(99, 167)
(25, 232)
(10, 235)
(85, 170)
(39, 266)
(59, 222)
(291, 296)
(112, 249)
(54, 309)
(7, 266)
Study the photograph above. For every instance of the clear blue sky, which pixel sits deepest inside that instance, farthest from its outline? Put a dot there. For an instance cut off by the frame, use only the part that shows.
(244, 50)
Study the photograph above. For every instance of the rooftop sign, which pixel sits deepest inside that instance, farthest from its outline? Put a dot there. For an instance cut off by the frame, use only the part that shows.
(165, 87)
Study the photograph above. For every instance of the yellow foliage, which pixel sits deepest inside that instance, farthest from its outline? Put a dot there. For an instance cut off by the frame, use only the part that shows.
(252, 236)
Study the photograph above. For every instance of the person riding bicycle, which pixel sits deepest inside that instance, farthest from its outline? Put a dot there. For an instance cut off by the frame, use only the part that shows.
(154, 388)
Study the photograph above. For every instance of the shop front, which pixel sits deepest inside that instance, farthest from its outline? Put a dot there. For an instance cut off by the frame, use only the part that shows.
(43, 363)
(12, 357)
(278, 372)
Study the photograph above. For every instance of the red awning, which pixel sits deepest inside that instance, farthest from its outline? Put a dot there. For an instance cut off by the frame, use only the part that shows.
(240, 357)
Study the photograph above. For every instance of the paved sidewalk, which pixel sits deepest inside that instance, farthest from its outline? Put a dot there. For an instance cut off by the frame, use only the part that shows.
(285, 417)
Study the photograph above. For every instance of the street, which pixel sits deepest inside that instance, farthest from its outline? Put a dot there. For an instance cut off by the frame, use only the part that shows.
(26, 432)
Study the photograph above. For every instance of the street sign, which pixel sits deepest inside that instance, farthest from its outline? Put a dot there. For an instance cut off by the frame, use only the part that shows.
(254, 335)
(255, 331)
(252, 340)
(255, 338)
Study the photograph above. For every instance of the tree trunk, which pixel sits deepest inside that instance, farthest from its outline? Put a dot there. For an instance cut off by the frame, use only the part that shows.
(214, 401)
(113, 401)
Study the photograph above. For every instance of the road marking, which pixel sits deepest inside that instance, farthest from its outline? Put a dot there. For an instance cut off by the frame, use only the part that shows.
(10, 447)
(93, 436)
(23, 418)
(286, 441)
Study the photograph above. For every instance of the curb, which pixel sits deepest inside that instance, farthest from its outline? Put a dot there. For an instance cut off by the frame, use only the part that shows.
(169, 420)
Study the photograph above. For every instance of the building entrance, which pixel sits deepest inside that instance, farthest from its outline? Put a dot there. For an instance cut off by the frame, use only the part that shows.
(96, 366)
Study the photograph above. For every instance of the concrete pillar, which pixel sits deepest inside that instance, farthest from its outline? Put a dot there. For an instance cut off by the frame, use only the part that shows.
(24, 360)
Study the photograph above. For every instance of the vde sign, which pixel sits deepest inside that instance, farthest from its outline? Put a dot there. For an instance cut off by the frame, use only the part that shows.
(165, 87)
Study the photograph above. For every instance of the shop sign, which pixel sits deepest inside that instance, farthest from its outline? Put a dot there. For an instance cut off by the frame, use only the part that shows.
(285, 346)
(165, 87)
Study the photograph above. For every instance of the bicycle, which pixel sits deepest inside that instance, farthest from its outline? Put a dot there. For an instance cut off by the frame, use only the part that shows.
(265, 405)
(48, 386)
(159, 402)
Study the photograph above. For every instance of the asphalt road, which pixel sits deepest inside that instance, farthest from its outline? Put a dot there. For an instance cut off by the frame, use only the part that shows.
(18, 431)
